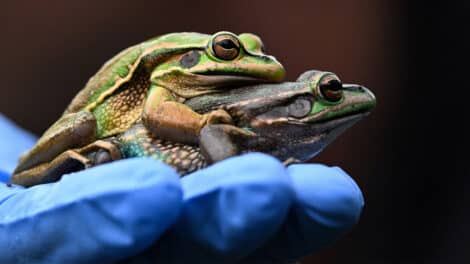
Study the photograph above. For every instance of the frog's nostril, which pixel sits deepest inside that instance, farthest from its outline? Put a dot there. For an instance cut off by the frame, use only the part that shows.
(353, 87)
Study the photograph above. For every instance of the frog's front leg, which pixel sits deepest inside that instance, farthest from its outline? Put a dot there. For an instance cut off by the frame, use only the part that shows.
(218, 142)
(168, 119)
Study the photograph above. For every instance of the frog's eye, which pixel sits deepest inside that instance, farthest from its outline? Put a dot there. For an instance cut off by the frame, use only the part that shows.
(226, 47)
(331, 89)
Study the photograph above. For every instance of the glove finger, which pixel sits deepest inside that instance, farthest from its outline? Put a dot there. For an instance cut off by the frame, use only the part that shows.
(229, 209)
(102, 214)
(13, 141)
(328, 203)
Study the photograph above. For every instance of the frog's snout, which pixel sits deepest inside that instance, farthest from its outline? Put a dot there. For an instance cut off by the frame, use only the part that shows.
(367, 96)
(369, 93)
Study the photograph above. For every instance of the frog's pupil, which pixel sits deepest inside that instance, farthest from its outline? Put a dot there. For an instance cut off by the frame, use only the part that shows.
(227, 44)
(334, 85)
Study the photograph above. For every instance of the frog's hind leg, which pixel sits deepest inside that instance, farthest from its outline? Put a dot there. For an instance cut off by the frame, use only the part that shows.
(68, 161)
(98, 152)
(70, 131)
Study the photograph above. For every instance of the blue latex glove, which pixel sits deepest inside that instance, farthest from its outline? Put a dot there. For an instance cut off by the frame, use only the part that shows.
(248, 208)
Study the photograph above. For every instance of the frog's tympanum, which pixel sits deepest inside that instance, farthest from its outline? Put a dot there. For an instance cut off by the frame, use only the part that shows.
(190, 100)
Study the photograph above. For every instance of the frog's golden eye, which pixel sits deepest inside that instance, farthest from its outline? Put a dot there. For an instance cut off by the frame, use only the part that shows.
(226, 47)
(331, 89)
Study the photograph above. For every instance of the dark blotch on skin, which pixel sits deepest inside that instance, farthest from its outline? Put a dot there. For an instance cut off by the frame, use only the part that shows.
(190, 59)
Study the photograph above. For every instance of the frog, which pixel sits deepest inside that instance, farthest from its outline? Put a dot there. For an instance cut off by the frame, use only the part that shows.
(148, 83)
(292, 121)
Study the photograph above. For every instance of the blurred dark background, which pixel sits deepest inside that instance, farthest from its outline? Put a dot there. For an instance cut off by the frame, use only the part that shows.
(405, 156)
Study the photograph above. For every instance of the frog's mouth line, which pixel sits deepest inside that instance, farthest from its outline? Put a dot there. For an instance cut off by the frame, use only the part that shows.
(232, 79)
(359, 113)
(219, 73)
(195, 84)
(351, 118)
(328, 124)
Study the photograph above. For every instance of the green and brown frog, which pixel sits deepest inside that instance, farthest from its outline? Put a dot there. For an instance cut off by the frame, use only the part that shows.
(192, 99)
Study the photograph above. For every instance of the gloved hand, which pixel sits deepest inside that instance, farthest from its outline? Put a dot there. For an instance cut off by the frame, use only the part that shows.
(248, 208)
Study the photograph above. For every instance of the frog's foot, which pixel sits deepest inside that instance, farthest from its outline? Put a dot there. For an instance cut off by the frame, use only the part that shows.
(218, 142)
(69, 161)
(100, 152)
(291, 161)
(70, 131)
(218, 116)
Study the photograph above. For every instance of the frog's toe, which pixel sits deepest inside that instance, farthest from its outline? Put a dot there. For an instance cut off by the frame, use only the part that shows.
(216, 144)
(100, 152)
(218, 117)
(100, 157)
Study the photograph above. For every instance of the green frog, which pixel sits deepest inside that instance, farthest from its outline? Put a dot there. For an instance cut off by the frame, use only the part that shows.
(190, 100)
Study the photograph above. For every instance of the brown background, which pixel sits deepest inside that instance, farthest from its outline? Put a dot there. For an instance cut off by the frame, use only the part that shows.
(402, 156)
